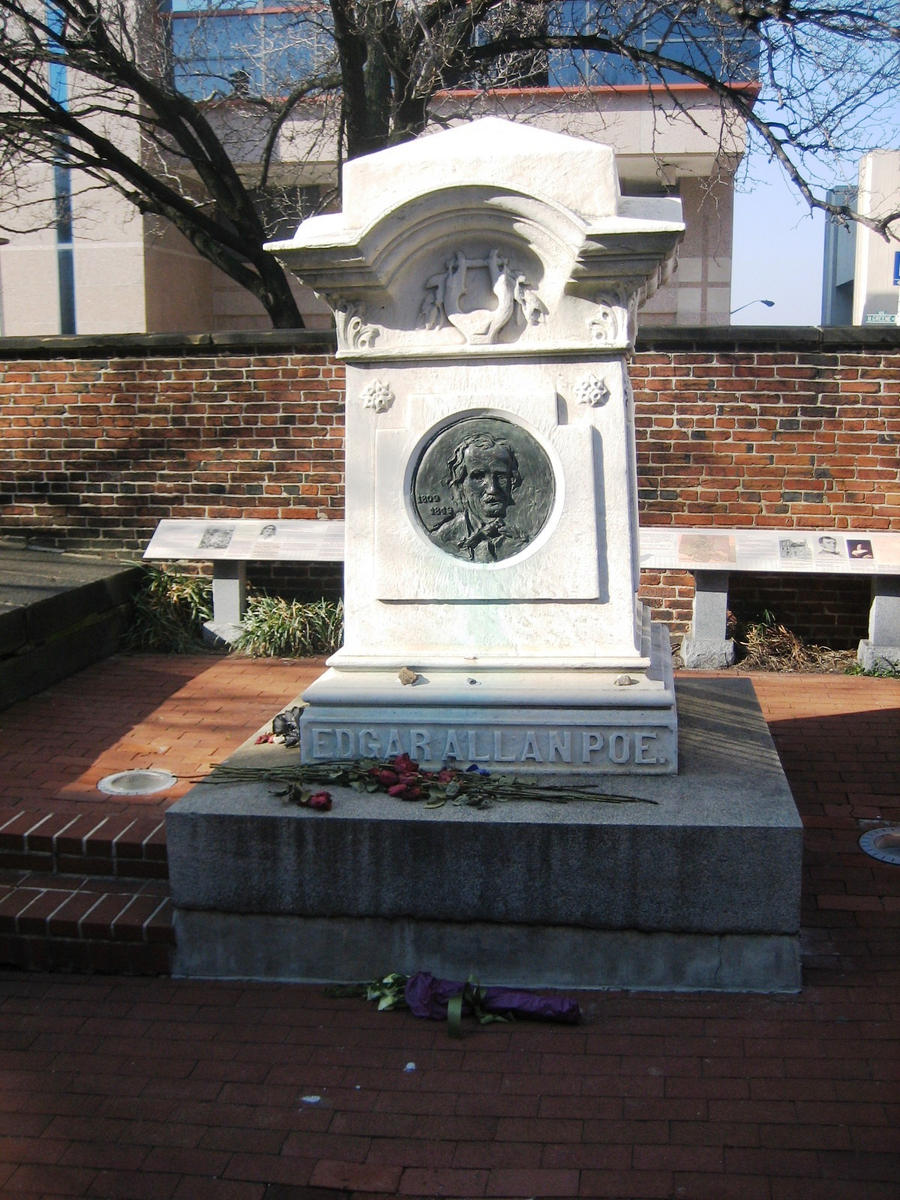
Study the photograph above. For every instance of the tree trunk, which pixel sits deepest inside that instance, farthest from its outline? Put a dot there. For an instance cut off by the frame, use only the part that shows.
(275, 295)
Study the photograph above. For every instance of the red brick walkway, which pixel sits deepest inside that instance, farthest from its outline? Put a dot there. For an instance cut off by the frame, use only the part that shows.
(158, 1088)
(140, 710)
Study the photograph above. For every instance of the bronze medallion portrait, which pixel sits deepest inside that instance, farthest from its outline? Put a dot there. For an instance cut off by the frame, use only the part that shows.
(483, 489)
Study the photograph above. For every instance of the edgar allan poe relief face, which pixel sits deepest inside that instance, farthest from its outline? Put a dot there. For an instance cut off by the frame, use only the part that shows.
(483, 489)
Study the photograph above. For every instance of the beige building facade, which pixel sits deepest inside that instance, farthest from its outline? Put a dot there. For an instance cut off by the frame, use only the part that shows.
(118, 271)
(876, 276)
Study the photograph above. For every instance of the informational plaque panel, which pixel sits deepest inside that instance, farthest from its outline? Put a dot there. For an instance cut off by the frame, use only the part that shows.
(808, 550)
(248, 540)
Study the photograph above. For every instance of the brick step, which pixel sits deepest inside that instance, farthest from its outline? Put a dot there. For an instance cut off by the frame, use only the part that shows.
(85, 923)
(120, 845)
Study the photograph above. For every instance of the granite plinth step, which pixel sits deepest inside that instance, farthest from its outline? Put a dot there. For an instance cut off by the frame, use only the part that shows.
(86, 924)
(699, 889)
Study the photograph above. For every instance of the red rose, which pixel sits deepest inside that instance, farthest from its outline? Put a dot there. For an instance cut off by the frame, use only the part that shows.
(320, 801)
(405, 791)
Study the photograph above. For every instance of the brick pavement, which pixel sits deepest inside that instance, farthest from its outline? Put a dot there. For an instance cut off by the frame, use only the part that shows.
(152, 1087)
(181, 713)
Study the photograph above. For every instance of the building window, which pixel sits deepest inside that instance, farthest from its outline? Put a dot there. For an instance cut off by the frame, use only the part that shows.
(246, 49)
(258, 48)
(283, 208)
(716, 47)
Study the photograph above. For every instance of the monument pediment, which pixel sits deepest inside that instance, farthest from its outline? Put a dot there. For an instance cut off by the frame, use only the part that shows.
(510, 246)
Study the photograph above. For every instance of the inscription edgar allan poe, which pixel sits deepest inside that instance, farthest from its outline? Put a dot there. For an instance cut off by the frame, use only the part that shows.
(605, 749)
(483, 489)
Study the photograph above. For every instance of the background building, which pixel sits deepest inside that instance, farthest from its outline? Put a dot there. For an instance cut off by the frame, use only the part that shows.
(839, 264)
(95, 265)
(861, 283)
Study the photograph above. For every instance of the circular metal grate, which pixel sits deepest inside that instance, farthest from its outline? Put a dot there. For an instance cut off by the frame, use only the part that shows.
(138, 782)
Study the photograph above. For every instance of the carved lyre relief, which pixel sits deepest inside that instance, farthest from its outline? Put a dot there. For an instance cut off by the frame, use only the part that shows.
(479, 297)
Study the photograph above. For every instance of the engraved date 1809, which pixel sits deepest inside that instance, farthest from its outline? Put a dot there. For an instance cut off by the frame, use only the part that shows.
(435, 506)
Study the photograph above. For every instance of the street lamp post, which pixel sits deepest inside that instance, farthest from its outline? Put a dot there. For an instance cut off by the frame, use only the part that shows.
(741, 307)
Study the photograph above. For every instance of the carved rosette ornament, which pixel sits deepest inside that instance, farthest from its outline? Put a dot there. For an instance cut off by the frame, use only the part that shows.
(350, 325)
(480, 297)
(378, 396)
(592, 392)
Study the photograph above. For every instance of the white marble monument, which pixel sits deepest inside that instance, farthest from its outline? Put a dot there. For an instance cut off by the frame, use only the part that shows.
(485, 283)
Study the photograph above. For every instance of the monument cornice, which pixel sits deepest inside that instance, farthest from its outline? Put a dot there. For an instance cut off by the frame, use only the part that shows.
(531, 247)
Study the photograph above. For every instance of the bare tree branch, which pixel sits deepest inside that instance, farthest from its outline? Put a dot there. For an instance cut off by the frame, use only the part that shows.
(189, 123)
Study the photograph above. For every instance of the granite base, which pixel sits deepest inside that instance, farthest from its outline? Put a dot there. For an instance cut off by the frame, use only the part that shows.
(699, 889)
(875, 657)
(707, 654)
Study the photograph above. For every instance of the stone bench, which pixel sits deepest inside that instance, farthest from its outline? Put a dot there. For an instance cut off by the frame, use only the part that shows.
(710, 554)
(713, 554)
(230, 544)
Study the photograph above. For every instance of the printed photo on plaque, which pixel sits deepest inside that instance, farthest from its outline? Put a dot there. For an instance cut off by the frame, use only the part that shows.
(828, 547)
(794, 549)
(216, 537)
(483, 489)
(858, 548)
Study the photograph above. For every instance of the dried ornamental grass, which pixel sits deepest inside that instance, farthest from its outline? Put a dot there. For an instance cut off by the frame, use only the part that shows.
(771, 646)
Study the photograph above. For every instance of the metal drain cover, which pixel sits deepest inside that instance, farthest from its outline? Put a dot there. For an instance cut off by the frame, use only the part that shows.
(139, 782)
(883, 844)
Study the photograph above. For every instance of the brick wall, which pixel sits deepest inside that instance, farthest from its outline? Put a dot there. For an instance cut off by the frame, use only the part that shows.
(97, 449)
(101, 438)
(784, 428)
(763, 438)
